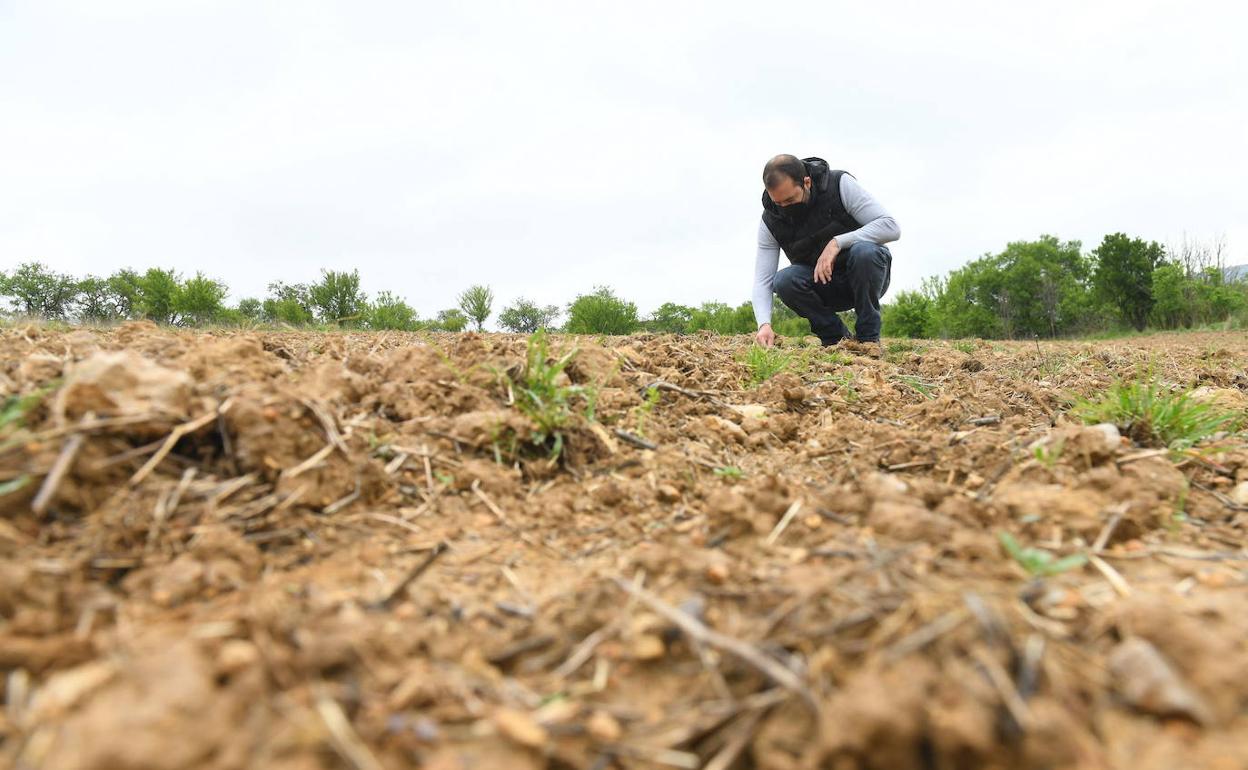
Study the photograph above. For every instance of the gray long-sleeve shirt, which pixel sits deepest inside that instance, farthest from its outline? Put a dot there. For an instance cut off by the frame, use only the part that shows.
(877, 227)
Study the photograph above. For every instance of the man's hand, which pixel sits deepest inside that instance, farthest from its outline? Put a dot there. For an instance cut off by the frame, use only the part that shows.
(765, 337)
(827, 260)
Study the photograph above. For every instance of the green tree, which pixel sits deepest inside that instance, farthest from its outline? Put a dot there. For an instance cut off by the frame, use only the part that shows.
(250, 309)
(97, 302)
(39, 292)
(722, 318)
(451, 320)
(198, 301)
(477, 303)
(338, 298)
(157, 288)
(908, 315)
(389, 311)
(669, 318)
(601, 312)
(288, 303)
(125, 287)
(525, 317)
(1123, 276)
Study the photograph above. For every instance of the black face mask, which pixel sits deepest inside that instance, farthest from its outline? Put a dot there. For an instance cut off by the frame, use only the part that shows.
(796, 212)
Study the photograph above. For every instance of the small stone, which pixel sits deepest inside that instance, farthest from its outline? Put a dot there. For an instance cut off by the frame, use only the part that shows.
(519, 727)
(756, 411)
(717, 573)
(1239, 494)
(1150, 684)
(648, 647)
(604, 727)
(668, 493)
(1112, 437)
(236, 655)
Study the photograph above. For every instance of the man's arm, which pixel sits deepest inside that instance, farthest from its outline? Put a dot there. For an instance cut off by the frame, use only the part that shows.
(877, 225)
(765, 261)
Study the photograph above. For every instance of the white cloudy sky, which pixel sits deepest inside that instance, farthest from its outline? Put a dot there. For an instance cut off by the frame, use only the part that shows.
(545, 147)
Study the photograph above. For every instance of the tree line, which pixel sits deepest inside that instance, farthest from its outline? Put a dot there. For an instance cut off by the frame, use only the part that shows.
(1046, 288)
(1050, 288)
(165, 297)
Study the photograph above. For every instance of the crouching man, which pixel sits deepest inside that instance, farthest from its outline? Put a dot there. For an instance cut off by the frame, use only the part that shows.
(833, 233)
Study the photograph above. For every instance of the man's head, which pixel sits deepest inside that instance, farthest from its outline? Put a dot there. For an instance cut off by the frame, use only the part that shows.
(786, 181)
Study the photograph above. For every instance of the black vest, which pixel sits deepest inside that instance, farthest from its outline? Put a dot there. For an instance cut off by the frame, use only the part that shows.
(804, 241)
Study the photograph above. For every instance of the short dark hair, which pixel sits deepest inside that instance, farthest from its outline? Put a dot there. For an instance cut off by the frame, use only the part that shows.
(781, 166)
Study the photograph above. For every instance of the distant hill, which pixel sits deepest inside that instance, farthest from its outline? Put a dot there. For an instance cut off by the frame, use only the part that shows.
(1235, 273)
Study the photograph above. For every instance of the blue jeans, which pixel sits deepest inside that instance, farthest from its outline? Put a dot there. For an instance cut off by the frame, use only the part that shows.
(859, 278)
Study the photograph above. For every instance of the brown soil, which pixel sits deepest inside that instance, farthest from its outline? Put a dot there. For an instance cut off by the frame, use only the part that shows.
(300, 550)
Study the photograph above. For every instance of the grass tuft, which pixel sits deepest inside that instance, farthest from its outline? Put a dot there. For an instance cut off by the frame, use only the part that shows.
(542, 395)
(1154, 415)
(765, 363)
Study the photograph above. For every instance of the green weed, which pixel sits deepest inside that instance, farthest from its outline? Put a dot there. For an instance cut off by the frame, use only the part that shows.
(14, 485)
(965, 346)
(729, 472)
(1049, 455)
(765, 363)
(1037, 561)
(540, 395)
(924, 389)
(648, 404)
(1152, 414)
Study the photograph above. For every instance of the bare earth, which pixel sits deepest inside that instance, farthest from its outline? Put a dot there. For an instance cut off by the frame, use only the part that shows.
(299, 550)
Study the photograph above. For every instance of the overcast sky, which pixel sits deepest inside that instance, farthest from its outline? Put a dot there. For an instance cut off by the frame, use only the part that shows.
(546, 147)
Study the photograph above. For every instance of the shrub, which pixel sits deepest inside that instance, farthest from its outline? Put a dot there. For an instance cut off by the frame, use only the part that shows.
(388, 311)
(601, 312)
(452, 320)
(37, 291)
(157, 289)
(337, 298)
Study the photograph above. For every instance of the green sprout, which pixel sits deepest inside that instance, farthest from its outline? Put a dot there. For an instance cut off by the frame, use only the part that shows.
(1037, 561)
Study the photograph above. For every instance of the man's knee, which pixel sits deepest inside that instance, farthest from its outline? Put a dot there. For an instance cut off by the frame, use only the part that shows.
(865, 255)
(790, 280)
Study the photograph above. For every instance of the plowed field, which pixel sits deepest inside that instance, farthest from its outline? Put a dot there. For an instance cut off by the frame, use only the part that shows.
(306, 550)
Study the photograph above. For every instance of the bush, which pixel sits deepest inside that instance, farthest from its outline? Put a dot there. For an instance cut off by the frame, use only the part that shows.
(452, 320)
(288, 304)
(388, 311)
(723, 319)
(525, 317)
(670, 318)
(601, 312)
(338, 299)
(908, 315)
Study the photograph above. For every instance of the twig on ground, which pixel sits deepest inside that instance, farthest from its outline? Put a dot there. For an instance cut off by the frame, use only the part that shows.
(784, 522)
(64, 461)
(178, 433)
(929, 633)
(343, 736)
(1106, 533)
(695, 629)
(328, 424)
(421, 567)
(1115, 579)
(637, 441)
(321, 455)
